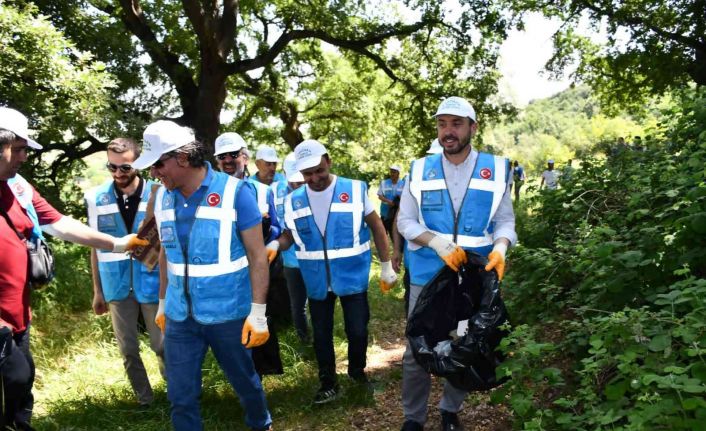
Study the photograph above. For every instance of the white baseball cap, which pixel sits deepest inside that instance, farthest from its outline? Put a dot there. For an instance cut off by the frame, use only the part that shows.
(396, 168)
(267, 154)
(17, 123)
(290, 169)
(229, 142)
(160, 138)
(457, 106)
(435, 147)
(308, 154)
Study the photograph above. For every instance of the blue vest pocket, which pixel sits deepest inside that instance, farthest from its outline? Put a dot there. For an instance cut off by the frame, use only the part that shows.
(302, 225)
(106, 222)
(432, 200)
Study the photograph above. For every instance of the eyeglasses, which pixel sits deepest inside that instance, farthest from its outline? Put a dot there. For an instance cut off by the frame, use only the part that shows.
(159, 164)
(233, 155)
(123, 168)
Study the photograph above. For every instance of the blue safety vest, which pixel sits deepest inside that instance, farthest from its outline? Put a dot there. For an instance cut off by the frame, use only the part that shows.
(23, 192)
(119, 272)
(390, 191)
(339, 259)
(473, 229)
(281, 189)
(210, 282)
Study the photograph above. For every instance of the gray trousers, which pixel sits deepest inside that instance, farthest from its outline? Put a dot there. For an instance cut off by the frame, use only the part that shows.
(124, 314)
(416, 382)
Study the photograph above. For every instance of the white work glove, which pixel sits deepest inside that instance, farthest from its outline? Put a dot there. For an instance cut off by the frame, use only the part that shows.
(128, 243)
(496, 259)
(388, 277)
(272, 248)
(453, 255)
(159, 319)
(255, 332)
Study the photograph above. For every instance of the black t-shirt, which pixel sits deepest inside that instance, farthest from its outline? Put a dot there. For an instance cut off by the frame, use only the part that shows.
(128, 207)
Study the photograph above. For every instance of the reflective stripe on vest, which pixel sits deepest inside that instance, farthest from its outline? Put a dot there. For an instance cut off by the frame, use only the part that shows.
(23, 192)
(471, 227)
(262, 190)
(118, 272)
(213, 285)
(341, 258)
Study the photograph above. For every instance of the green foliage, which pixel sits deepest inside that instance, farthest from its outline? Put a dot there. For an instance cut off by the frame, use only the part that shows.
(609, 284)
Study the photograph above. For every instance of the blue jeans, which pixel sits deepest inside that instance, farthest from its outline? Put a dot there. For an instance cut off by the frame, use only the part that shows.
(356, 315)
(185, 346)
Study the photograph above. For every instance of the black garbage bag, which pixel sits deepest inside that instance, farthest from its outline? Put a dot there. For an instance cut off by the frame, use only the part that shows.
(467, 361)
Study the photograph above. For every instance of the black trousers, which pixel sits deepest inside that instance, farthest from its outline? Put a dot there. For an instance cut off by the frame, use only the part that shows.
(17, 378)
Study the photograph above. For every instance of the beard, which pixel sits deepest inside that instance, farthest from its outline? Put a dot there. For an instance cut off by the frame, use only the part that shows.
(122, 182)
(460, 145)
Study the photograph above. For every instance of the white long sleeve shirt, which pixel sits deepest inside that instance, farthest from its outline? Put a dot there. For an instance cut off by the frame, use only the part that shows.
(457, 179)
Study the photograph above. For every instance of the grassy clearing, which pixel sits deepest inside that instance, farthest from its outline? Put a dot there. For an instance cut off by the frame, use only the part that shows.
(81, 384)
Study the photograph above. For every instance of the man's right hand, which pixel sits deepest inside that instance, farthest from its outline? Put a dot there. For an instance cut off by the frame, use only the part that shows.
(272, 247)
(453, 255)
(99, 305)
(159, 319)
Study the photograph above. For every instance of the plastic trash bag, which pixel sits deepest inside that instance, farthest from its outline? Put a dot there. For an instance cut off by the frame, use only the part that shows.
(467, 361)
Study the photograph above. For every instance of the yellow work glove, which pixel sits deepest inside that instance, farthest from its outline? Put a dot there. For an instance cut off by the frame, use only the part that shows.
(272, 248)
(255, 332)
(453, 255)
(127, 243)
(388, 278)
(159, 319)
(496, 260)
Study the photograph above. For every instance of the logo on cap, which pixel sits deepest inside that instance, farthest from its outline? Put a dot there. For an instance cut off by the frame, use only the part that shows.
(451, 103)
(304, 152)
(485, 173)
(344, 197)
(213, 199)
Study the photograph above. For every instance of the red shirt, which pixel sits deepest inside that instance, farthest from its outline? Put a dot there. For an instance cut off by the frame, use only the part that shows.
(14, 289)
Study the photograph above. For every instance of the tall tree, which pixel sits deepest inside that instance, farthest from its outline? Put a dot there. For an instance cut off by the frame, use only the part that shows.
(191, 54)
(652, 46)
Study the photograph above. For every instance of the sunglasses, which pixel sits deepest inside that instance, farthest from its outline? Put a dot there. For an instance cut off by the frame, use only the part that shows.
(159, 164)
(123, 168)
(233, 155)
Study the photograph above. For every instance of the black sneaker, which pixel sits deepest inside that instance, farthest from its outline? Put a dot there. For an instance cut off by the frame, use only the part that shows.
(410, 425)
(324, 395)
(449, 421)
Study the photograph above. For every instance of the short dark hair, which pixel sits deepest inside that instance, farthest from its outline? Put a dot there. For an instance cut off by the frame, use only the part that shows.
(6, 137)
(195, 152)
(123, 145)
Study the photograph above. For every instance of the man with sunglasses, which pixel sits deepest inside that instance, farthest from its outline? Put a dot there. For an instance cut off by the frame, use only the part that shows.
(214, 274)
(117, 207)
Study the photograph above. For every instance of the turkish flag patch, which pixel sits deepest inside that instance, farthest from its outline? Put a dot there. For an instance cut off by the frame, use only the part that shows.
(213, 199)
(344, 197)
(485, 173)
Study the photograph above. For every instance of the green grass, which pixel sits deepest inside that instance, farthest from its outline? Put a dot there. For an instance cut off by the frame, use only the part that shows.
(81, 384)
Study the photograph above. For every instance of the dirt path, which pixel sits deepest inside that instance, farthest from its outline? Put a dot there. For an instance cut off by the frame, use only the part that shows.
(385, 359)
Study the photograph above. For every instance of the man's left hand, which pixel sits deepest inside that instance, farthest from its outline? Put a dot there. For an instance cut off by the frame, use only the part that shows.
(128, 243)
(496, 260)
(272, 248)
(388, 278)
(255, 331)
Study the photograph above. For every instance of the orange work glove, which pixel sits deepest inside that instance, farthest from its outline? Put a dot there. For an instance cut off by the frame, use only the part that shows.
(159, 319)
(272, 247)
(388, 278)
(496, 260)
(255, 332)
(453, 255)
(127, 243)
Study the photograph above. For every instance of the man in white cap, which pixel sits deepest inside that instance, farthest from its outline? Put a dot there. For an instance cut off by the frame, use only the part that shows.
(118, 207)
(266, 161)
(389, 194)
(214, 274)
(292, 273)
(453, 202)
(230, 149)
(24, 214)
(328, 220)
(550, 177)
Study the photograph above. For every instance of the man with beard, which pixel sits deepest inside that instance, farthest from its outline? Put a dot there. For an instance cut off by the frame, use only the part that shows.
(118, 207)
(329, 222)
(454, 201)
